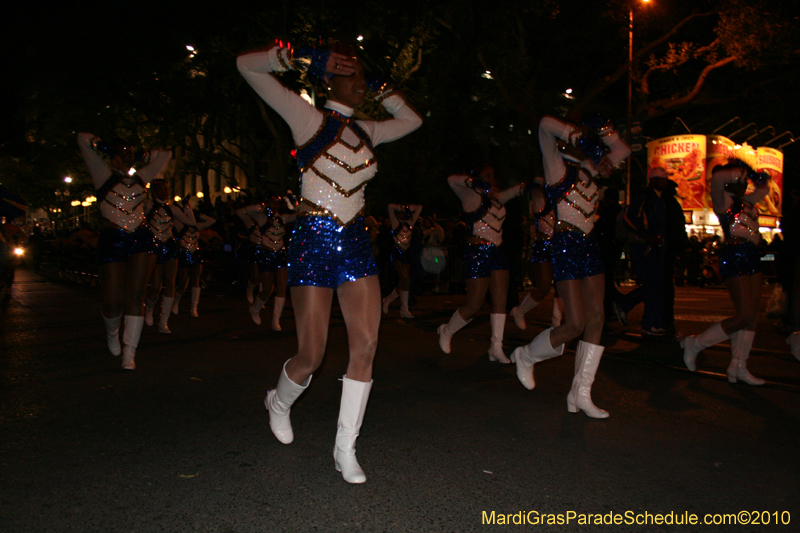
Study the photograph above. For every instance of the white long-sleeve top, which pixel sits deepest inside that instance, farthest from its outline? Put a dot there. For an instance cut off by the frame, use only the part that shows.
(744, 223)
(576, 208)
(189, 232)
(161, 221)
(490, 226)
(123, 206)
(341, 161)
(266, 231)
(403, 229)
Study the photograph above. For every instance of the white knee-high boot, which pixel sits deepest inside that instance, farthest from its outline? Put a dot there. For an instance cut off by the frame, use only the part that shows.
(149, 306)
(130, 340)
(277, 310)
(694, 344)
(112, 333)
(279, 403)
(526, 356)
(446, 331)
(176, 301)
(388, 300)
(195, 301)
(741, 344)
(255, 310)
(496, 353)
(166, 310)
(404, 312)
(355, 395)
(793, 341)
(518, 313)
(558, 312)
(587, 359)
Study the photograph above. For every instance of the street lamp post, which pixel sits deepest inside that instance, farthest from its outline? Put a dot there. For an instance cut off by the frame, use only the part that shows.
(630, 100)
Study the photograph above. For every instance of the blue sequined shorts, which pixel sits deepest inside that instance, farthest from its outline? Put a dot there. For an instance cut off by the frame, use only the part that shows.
(115, 245)
(167, 251)
(404, 256)
(739, 259)
(575, 256)
(252, 253)
(273, 260)
(324, 254)
(187, 259)
(542, 251)
(481, 259)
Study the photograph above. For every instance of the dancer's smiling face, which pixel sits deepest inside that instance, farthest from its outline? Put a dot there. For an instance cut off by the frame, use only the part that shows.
(349, 90)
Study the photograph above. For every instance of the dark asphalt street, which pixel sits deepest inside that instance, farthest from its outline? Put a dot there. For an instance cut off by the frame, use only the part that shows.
(183, 443)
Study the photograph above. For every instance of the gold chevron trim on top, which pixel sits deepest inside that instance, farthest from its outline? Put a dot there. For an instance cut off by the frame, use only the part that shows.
(348, 168)
(578, 208)
(315, 210)
(341, 190)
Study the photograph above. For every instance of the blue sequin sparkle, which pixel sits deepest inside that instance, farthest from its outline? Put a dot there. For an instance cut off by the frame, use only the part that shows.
(575, 256)
(324, 254)
(115, 245)
(739, 259)
(481, 259)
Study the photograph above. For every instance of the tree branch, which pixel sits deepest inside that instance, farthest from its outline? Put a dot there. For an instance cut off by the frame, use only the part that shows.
(623, 69)
(662, 106)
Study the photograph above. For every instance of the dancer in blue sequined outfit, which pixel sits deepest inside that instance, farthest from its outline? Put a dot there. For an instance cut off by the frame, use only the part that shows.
(577, 266)
(544, 220)
(266, 227)
(126, 247)
(485, 263)
(330, 248)
(161, 216)
(404, 253)
(739, 266)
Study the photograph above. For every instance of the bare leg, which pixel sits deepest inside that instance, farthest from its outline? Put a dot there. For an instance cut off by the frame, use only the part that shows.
(476, 294)
(574, 323)
(312, 309)
(112, 278)
(593, 293)
(281, 275)
(156, 282)
(137, 273)
(745, 292)
(360, 302)
(498, 285)
(170, 273)
(267, 281)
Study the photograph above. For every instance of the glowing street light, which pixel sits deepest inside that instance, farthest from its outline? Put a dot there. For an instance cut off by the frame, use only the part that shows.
(630, 100)
(67, 180)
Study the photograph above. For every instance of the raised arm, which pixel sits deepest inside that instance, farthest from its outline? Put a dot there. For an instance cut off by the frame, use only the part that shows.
(159, 159)
(510, 193)
(258, 68)
(463, 186)
(416, 211)
(206, 222)
(244, 213)
(98, 168)
(393, 215)
(551, 130)
(405, 120)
